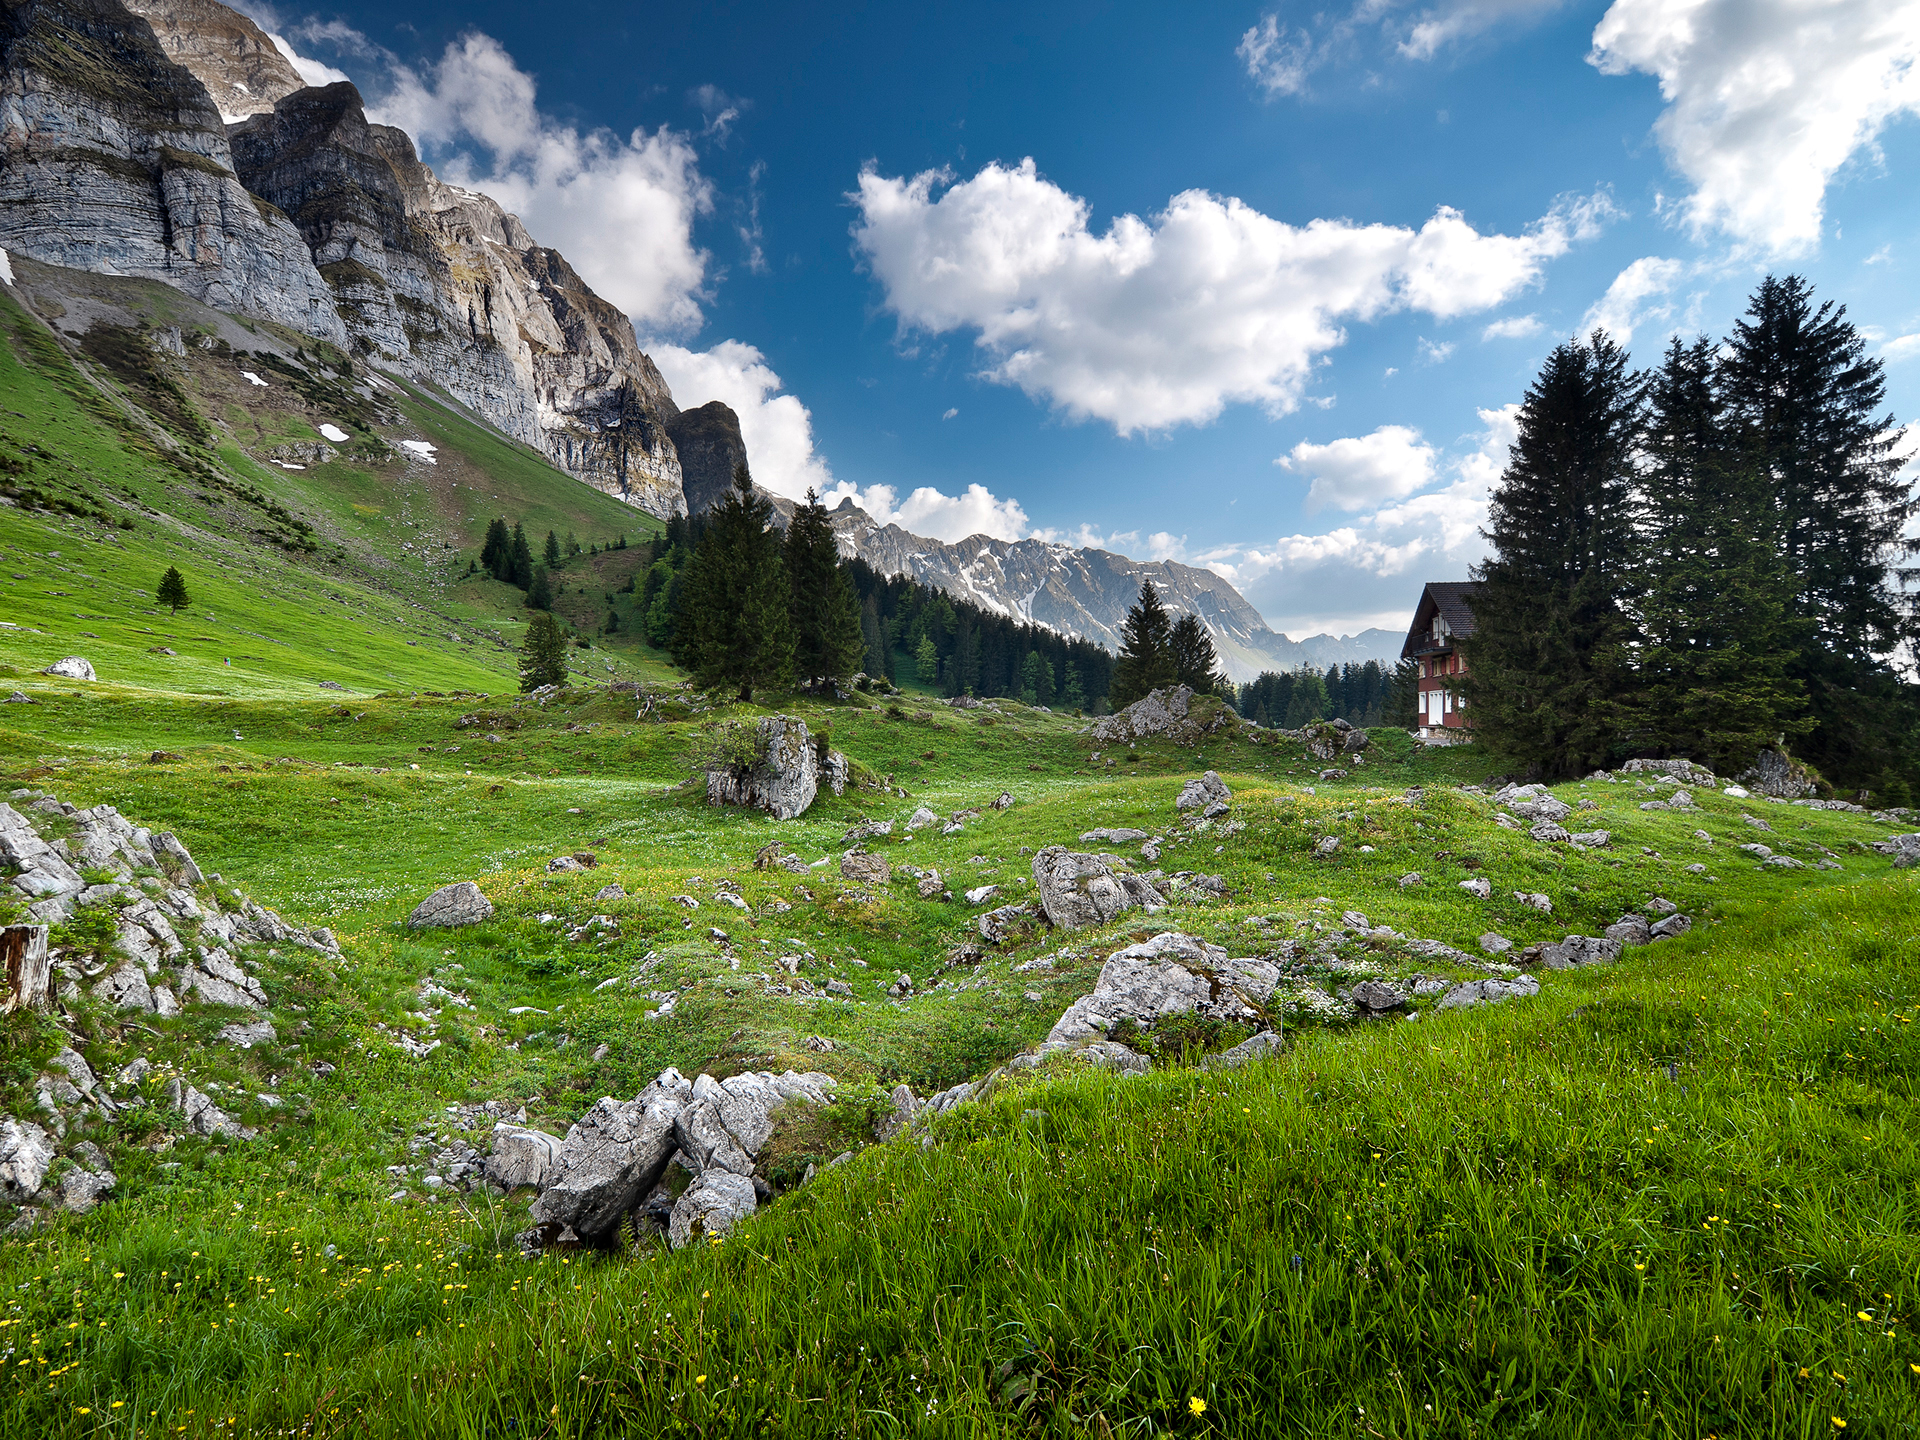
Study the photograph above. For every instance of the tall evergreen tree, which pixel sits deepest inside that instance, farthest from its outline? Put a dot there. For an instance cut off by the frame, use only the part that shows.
(1805, 397)
(1308, 700)
(543, 653)
(520, 559)
(874, 634)
(1194, 662)
(173, 591)
(551, 552)
(1714, 614)
(1402, 703)
(827, 639)
(496, 555)
(926, 660)
(539, 592)
(1146, 650)
(1073, 689)
(1549, 681)
(733, 628)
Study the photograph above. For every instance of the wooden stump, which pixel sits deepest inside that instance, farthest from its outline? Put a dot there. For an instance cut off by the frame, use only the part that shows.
(26, 974)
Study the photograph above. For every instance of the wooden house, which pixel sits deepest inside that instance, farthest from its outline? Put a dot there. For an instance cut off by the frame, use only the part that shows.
(1443, 617)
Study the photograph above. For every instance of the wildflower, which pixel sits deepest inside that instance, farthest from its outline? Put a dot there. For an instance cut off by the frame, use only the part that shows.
(1196, 1406)
(1861, 1315)
(699, 1379)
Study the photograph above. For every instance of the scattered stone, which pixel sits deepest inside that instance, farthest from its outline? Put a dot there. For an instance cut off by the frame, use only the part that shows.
(863, 868)
(610, 892)
(1009, 922)
(26, 1151)
(246, 1036)
(460, 903)
(1002, 801)
(1113, 837)
(1374, 997)
(1660, 905)
(1629, 930)
(1327, 845)
(1777, 774)
(1170, 712)
(1171, 974)
(1590, 839)
(1479, 887)
(1079, 890)
(72, 667)
(921, 818)
(981, 894)
(1209, 793)
(1549, 832)
(1534, 900)
(1671, 926)
(711, 1206)
(1488, 992)
(1784, 862)
(1494, 943)
(1254, 1047)
(1577, 950)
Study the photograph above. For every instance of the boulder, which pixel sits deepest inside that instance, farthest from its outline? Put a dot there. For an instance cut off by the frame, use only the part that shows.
(712, 1205)
(981, 894)
(1590, 839)
(1171, 974)
(1205, 793)
(921, 818)
(1547, 831)
(81, 1188)
(725, 1122)
(1488, 992)
(1326, 740)
(1254, 1047)
(1534, 900)
(1685, 771)
(203, 1117)
(1671, 926)
(1008, 922)
(522, 1157)
(1479, 887)
(1629, 930)
(1495, 943)
(25, 1153)
(1776, 773)
(1162, 712)
(1905, 850)
(218, 981)
(786, 775)
(126, 989)
(257, 1032)
(1079, 890)
(612, 1158)
(865, 869)
(460, 903)
(1578, 950)
(72, 667)
(1373, 997)
(1113, 837)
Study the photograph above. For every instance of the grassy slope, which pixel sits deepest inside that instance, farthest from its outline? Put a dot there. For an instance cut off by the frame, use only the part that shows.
(1134, 1247)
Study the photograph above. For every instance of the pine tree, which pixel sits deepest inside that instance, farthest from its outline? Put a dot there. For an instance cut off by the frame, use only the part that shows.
(1549, 678)
(173, 590)
(734, 628)
(1036, 679)
(1146, 650)
(1195, 664)
(825, 613)
(926, 660)
(543, 654)
(1307, 701)
(496, 556)
(874, 633)
(573, 545)
(1718, 641)
(1073, 690)
(551, 553)
(1804, 396)
(1402, 704)
(539, 593)
(520, 559)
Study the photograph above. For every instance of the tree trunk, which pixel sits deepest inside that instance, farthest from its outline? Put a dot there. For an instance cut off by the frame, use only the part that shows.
(25, 971)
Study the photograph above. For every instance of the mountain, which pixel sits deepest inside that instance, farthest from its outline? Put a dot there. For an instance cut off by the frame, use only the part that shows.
(115, 158)
(1087, 592)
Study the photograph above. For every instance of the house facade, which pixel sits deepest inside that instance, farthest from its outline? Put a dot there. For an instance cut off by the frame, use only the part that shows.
(1443, 618)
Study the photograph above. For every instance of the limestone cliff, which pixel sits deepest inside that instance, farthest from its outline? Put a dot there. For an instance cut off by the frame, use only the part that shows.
(708, 441)
(229, 54)
(443, 283)
(114, 159)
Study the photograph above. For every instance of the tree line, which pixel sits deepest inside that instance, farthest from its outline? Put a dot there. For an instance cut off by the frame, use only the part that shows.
(507, 556)
(1704, 560)
(1362, 695)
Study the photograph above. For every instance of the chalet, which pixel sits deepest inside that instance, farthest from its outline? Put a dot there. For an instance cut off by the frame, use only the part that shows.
(1443, 618)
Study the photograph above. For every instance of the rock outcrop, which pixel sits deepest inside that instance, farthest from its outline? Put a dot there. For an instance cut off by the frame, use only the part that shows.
(707, 440)
(785, 776)
(1175, 712)
(460, 903)
(242, 69)
(1078, 890)
(1171, 974)
(115, 159)
(1778, 774)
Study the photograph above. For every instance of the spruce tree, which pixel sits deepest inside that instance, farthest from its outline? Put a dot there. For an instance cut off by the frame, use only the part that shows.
(1194, 662)
(1146, 650)
(926, 660)
(520, 559)
(1402, 704)
(551, 552)
(1073, 690)
(496, 555)
(1307, 700)
(543, 654)
(734, 629)
(1805, 398)
(1714, 615)
(827, 639)
(874, 633)
(173, 590)
(1549, 680)
(539, 592)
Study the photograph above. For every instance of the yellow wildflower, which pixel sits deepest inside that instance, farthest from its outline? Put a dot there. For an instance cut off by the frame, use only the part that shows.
(1196, 1406)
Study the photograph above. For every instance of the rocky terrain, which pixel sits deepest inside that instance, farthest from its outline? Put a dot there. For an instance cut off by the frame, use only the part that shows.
(241, 67)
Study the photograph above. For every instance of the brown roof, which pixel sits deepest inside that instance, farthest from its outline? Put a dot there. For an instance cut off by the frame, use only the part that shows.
(1452, 601)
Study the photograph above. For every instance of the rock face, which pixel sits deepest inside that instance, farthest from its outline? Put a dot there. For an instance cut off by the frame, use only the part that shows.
(25, 1153)
(786, 777)
(1078, 891)
(115, 159)
(460, 903)
(522, 1157)
(725, 1122)
(1171, 974)
(227, 52)
(1777, 774)
(442, 283)
(612, 1158)
(1170, 712)
(708, 442)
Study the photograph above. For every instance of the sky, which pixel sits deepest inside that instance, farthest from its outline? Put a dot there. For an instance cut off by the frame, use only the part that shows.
(1254, 287)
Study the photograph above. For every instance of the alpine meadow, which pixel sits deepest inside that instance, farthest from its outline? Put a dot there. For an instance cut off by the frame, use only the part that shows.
(1211, 820)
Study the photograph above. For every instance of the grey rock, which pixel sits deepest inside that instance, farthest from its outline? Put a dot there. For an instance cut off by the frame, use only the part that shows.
(1375, 997)
(216, 980)
(1113, 837)
(73, 667)
(1410, 879)
(1777, 774)
(710, 446)
(783, 781)
(903, 1107)
(1660, 905)
(1327, 845)
(26, 1151)
(82, 1189)
(1171, 974)
(1547, 808)
(980, 895)
(711, 1206)
(1488, 992)
(1591, 839)
(522, 1156)
(1203, 794)
(1495, 944)
(257, 1032)
(1685, 771)
(1905, 850)
(1671, 926)
(1629, 930)
(612, 1158)
(1079, 890)
(1008, 922)
(865, 869)
(1255, 1047)
(725, 1122)
(203, 1117)
(460, 903)
(1576, 950)
(1479, 887)
(1534, 900)
(1546, 830)
(921, 818)
(1161, 712)
(610, 892)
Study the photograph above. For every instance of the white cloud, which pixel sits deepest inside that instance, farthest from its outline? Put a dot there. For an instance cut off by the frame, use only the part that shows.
(950, 412)
(1278, 60)
(621, 209)
(1456, 20)
(1903, 348)
(1364, 470)
(1634, 298)
(1766, 100)
(1165, 321)
(1435, 352)
(312, 71)
(1514, 327)
(777, 429)
(929, 512)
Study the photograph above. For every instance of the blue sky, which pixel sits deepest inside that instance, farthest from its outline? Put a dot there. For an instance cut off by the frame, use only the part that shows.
(1255, 287)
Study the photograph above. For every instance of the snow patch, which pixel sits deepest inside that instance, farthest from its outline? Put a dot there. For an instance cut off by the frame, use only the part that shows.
(6, 268)
(334, 433)
(423, 448)
(253, 379)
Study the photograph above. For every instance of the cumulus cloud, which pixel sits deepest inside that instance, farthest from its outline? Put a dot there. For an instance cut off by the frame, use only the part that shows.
(1636, 297)
(1364, 470)
(1167, 320)
(1514, 327)
(1904, 347)
(1280, 58)
(777, 428)
(1377, 561)
(1766, 100)
(1277, 58)
(927, 511)
(314, 72)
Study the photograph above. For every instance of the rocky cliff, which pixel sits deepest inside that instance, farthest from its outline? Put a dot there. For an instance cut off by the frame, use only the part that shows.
(242, 69)
(444, 284)
(114, 159)
(1087, 592)
(709, 444)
